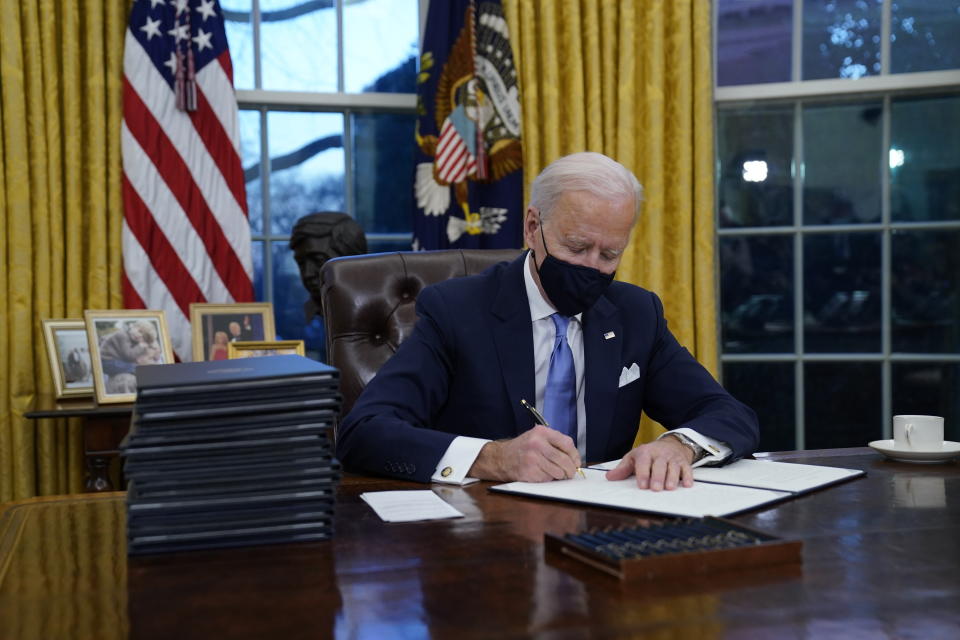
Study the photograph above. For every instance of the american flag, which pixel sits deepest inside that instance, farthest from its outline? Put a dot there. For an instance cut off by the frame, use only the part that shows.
(186, 237)
(454, 161)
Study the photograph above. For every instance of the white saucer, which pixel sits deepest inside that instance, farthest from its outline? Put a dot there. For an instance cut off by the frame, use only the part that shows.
(949, 451)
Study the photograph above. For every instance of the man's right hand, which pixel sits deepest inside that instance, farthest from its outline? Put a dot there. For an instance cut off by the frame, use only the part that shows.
(539, 455)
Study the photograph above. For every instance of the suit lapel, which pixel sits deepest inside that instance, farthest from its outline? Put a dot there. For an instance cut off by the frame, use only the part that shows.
(513, 335)
(602, 343)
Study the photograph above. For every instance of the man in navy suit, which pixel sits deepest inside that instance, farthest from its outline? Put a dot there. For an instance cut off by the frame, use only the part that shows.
(553, 329)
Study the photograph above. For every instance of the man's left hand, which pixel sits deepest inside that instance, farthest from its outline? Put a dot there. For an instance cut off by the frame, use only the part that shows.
(661, 464)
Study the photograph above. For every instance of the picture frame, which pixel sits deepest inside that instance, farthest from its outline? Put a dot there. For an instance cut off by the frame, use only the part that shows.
(69, 353)
(121, 339)
(257, 348)
(214, 326)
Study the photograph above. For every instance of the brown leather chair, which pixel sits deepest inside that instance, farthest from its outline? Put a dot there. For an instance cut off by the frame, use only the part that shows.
(368, 304)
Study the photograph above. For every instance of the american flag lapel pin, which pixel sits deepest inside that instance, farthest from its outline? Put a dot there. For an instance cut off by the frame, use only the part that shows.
(608, 335)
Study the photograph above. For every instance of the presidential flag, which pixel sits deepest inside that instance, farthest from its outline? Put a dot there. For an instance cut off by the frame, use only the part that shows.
(469, 180)
(186, 237)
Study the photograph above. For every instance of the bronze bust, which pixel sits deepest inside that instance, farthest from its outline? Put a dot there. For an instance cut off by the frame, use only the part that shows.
(316, 238)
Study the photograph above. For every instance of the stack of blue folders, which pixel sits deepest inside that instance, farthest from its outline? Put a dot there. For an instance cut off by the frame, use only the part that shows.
(231, 453)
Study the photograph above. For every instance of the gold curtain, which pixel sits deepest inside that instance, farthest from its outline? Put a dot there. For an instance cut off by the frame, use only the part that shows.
(60, 213)
(632, 79)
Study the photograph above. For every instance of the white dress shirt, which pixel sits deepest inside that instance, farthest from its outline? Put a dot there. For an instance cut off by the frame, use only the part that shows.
(463, 450)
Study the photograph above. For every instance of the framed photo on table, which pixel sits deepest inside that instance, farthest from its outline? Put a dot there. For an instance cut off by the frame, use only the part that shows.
(214, 326)
(120, 340)
(259, 348)
(69, 355)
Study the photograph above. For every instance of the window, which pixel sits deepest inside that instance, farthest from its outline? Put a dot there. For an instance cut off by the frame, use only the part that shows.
(838, 193)
(326, 90)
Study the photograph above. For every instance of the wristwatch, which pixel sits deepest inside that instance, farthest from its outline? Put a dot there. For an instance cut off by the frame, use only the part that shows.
(698, 451)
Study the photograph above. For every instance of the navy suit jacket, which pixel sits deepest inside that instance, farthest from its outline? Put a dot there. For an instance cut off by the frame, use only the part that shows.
(469, 361)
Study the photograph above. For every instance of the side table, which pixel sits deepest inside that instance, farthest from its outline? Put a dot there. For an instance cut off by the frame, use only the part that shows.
(104, 426)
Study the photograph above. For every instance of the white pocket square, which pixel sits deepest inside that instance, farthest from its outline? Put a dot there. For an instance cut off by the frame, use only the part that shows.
(629, 375)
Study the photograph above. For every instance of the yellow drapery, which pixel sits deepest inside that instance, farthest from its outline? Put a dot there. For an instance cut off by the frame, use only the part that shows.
(60, 212)
(632, 79)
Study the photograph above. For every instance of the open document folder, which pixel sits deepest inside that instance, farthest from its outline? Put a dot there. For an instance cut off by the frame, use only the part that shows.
(716, 491)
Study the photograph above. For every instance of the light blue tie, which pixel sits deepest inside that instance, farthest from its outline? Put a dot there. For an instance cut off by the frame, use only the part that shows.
(560, 395)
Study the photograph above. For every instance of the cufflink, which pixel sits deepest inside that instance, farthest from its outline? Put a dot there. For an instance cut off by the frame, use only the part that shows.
(446, 471)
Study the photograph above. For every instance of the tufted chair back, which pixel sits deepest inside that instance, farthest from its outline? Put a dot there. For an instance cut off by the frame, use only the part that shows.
(368, 304)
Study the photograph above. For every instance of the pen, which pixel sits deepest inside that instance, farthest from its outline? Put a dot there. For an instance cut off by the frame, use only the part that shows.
(541, 420)
(536, 414)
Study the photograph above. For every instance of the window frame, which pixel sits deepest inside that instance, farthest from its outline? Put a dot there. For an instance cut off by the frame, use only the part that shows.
(345, 103)
(884, 87)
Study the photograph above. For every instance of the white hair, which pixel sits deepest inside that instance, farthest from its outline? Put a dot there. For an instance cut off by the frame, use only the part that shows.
(595, 173)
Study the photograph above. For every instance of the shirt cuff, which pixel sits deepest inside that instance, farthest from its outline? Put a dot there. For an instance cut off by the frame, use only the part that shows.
(716, 451)
(457, 460)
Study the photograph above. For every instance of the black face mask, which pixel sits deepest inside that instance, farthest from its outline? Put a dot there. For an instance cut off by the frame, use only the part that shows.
(572, 288)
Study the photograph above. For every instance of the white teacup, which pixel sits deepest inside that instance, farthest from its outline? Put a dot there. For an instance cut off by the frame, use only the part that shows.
(918, 433)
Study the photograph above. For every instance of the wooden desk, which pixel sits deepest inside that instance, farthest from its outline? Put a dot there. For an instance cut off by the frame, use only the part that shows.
(104, 426)
(881, 560)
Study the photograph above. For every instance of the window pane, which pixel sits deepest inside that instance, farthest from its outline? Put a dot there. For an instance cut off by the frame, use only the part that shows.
(383, 171)
(756, 294)
(842, 404)
(298, 45)
(929, 388)
(249, 122)
(925, 158)
(841, 38)
(256, 251)
(842, 147)
(753, 41)
(925, 35)
(755, 149)
(767, 388)
(841, 292)
(925, 283)
(380, 46)
(306, 166)
(238, 21)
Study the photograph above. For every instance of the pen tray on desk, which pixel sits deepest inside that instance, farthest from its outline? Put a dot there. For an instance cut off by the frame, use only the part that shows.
(677, 548)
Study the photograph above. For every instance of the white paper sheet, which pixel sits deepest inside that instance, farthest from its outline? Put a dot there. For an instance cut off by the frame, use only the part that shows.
(606, 466)
(768, 474)
(702, 499)
(409, 506)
